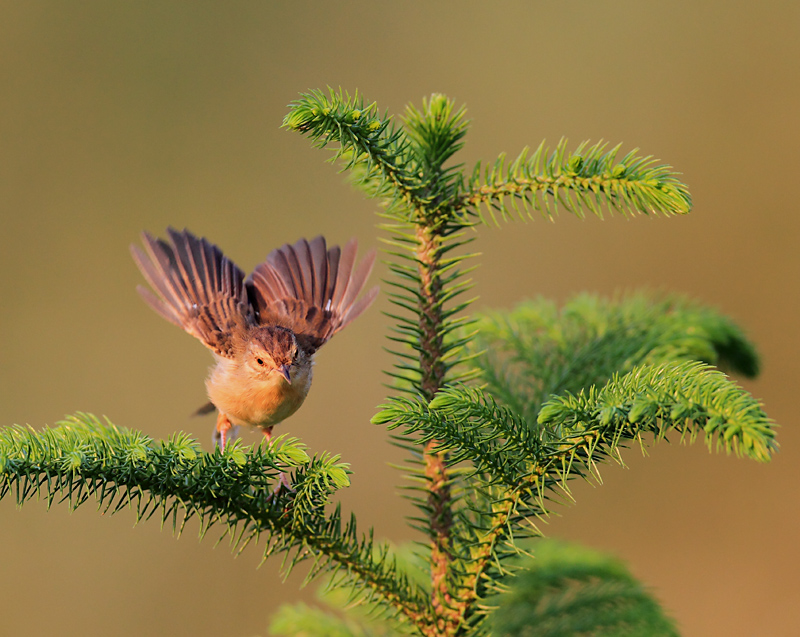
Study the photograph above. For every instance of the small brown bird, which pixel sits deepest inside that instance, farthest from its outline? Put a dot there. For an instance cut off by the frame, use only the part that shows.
(263, 331)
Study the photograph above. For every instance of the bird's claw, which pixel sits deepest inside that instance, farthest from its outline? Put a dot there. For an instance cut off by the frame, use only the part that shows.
(280, 485)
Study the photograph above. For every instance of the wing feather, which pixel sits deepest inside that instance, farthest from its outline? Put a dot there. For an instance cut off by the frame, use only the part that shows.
(311, 289)
(346, 262)
(196, 287)
(334, 254)
(358, 277)
(319, 264)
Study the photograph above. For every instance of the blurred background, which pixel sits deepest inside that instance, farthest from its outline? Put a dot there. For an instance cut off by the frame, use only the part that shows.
(124, 116)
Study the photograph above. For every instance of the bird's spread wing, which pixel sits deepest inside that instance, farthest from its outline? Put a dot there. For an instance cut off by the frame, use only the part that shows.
(196, 287)
(311, 289)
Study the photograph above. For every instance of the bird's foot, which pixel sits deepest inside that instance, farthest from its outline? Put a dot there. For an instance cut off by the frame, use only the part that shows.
(283, 478)
(224, 432)
(281, 485)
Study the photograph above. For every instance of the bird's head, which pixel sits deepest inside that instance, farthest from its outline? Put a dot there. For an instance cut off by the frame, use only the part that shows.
(272, 350)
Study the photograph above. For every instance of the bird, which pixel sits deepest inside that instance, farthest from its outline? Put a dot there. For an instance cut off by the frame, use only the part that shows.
(263, 330)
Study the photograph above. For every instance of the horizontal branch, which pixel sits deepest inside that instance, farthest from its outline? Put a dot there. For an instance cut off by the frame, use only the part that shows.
(587, 179)
(175, 480)
(469, 425)
(690, 398)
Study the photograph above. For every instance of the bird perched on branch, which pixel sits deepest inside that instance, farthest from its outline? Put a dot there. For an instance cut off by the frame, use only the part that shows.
(263, 330)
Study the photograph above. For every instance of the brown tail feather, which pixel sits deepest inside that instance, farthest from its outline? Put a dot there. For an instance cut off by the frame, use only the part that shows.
(208, 408)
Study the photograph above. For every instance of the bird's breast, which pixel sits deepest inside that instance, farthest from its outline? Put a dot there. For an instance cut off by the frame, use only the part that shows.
(258, 402)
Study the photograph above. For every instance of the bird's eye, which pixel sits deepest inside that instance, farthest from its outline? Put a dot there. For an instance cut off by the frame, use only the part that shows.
(259, 361)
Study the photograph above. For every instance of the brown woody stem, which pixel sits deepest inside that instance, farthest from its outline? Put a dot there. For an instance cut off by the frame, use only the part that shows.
(433, 376)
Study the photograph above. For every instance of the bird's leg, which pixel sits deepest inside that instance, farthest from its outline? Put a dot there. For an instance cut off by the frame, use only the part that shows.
(221, 431)
(283, 479)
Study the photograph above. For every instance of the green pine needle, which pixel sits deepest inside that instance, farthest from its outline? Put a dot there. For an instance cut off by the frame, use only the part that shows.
(589, 178)
(690, 398)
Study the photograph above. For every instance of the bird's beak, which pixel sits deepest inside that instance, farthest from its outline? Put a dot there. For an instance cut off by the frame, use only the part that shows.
(283, 370)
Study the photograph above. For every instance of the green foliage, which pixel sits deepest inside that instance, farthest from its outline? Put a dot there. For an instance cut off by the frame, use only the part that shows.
(688, 397)
(537, 350)
(570, 591)
(403, 164)
(573, 432)
(301, 620)
(336, 614)
(559, 590)
(176, 481)
(564, 591)
(587, 179)
(515, 468)
(406, 165)
(563, 392)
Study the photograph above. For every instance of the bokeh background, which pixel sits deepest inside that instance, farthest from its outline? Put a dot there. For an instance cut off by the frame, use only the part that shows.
(122, 116)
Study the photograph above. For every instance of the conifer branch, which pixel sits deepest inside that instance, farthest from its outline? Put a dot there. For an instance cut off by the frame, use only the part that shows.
(571, 588)
(587, 179)
(536, 350)
(176, 481)
(520, 466)
(428, 207)
(690, 398)
(471, 426)
(376, 151)
(432, 377)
